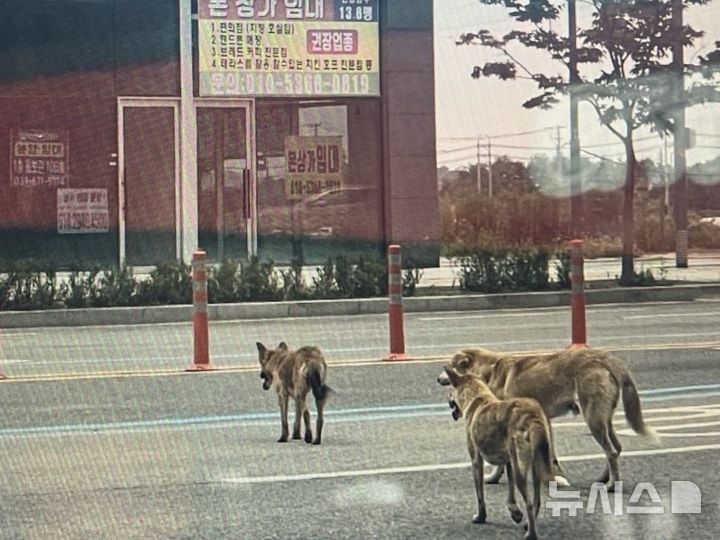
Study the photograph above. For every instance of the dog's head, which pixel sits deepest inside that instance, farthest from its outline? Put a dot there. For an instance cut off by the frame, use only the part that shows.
(465, 388)
(265, 357)
(478, 362)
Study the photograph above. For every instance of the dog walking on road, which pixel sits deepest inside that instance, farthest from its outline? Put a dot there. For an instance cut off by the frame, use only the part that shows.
(513, 433)
(295, 374)
(593, 377)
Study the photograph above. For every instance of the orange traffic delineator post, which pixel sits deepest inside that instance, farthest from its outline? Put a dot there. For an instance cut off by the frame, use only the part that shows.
(201, 337)
(577, 278)
(395, 307)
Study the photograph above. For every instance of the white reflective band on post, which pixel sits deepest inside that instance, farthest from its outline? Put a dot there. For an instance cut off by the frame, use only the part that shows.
(395, 299)
(395, 279)
(200, 307)
(394, 258)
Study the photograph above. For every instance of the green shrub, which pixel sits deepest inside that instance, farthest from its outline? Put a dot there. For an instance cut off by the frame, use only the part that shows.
(117, 288)
(496, 270)
(31, 284)
(81, 289)
(169, 283)
(258, 281)
(293, 283)
(224, 283)
(563, 269)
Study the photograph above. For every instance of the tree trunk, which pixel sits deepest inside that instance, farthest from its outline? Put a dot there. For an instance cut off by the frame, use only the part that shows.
(628, 267)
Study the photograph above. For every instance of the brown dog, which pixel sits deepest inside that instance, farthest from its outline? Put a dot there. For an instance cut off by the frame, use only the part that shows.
(513, 433)
(593, 377)
(294, 374)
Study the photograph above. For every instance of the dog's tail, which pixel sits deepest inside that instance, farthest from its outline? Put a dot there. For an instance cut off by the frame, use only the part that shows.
(539, 436)
(631, 404)
(315, 380)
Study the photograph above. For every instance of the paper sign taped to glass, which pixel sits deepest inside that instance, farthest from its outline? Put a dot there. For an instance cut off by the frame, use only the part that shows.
(313, 165)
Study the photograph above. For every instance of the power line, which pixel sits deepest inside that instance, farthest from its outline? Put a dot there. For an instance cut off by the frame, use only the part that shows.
(501, 136)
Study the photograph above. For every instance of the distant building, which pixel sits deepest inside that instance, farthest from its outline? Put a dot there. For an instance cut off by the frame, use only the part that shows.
(134, 131)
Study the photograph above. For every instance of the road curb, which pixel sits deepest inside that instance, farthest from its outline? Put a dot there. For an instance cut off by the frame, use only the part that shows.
(318, 308)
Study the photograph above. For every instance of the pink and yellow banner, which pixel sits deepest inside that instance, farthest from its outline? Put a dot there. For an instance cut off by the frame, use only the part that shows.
(328, 48)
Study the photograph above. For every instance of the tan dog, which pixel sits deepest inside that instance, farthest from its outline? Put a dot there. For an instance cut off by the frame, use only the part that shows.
(513, 433)
(593, 377)
(294, 374)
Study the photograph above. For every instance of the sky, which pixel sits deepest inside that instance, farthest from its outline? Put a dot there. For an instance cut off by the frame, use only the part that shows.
(467, 108)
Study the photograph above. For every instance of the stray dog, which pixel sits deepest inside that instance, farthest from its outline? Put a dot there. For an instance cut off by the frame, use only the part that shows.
(294, 374)
(513, 433)
(593, 377)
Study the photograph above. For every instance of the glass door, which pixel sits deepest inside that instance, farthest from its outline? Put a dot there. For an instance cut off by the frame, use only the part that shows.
(225, 190)
(148, 181)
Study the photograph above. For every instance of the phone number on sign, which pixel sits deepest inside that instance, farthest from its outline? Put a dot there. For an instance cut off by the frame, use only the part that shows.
(292, 84)
(301, 188)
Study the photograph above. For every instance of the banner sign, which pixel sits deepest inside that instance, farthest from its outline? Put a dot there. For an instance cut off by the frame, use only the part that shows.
(314, 165)
(289, 48)
(81, 211)
(39, 158)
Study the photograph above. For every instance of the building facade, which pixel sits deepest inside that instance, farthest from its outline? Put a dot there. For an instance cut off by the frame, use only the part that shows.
(133, 132)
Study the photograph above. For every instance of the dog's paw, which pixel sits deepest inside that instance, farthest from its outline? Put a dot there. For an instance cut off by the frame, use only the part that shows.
(516, 514)
(283, 438)
(562, 481)
(296, 435)
(308, 437)
(530, 536)
(480, 517)
(612, 487)
(316, 441)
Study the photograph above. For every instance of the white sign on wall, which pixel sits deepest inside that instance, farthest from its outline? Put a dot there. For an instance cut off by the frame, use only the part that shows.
(81, 211)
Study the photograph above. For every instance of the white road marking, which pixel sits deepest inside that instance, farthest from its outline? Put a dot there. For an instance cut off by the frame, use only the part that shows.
(442, 467)
(673, 315)
(457, 316)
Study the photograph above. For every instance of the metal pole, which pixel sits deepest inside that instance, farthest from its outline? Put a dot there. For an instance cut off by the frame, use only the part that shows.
(577, 276)
(679, 142)
(576, 212)
(490, 173)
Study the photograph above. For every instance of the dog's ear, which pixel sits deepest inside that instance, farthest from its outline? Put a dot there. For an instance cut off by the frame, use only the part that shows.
(462, 362)
(283, 346)
(454, 377)
(260, 347)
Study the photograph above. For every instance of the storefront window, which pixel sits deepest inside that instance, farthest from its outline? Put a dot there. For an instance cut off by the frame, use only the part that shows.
(319, 179)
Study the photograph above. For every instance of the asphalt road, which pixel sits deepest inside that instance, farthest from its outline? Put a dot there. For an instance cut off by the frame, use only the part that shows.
(151, 452)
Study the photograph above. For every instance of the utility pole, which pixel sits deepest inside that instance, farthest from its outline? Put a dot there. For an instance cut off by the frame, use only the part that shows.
(490, 173)
(558, 157)
(576, 215)
(477, 170)
(680, 206)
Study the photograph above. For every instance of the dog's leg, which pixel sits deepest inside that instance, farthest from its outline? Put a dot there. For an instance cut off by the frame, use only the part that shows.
(520, 476)
(308, 429)
(599, 429)
(320, 404)
(495, 476)
(283, 401)
(299, 408)
(515, 512)
(477, 467)
(557, 471)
